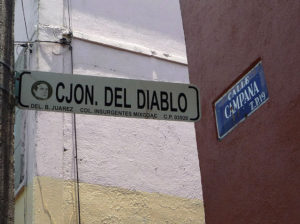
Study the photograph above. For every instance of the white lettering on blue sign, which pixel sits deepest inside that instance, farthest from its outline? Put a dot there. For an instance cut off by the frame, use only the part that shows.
(241, 100)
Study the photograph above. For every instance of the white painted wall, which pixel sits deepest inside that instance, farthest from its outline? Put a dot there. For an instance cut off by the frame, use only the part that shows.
(153, 24)
(152, 156)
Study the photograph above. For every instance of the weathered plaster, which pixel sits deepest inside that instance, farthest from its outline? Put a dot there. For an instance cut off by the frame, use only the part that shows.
(55, 202)
(136, 154)
(119, 153)
(151, 23)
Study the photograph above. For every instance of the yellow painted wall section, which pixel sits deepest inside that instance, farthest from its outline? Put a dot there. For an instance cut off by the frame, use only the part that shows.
(55, 202)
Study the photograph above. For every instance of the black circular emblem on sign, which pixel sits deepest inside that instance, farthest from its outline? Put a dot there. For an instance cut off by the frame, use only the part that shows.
(41, 90)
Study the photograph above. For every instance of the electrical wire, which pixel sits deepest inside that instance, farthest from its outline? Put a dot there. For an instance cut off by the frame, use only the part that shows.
(61, 41)
(77, 172)
(26, 162)
(74, 117)
(37, 41)
(69, 15)
(76, 147)
(25, 20)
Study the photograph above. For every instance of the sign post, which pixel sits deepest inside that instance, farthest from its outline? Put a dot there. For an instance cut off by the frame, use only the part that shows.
(239, 102)
(108, 96)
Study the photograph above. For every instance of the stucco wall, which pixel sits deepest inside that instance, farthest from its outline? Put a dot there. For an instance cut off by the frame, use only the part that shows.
(128, 155)
(251, 176)
(100, 204)
(153, 24)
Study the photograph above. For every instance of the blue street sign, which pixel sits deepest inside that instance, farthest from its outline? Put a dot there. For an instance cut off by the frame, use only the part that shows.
(245, 97)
